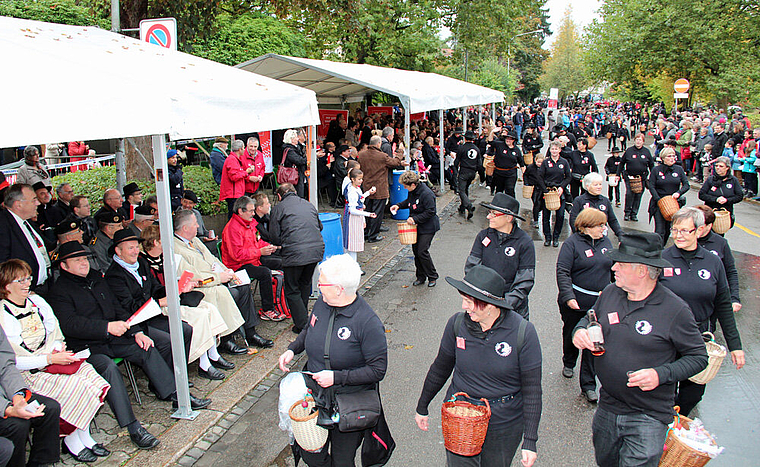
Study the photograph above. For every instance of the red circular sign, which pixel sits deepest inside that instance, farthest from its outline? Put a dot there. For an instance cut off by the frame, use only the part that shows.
(159, 34)
(681, 85)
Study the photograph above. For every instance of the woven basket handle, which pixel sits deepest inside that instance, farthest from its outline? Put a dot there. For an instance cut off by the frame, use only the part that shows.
(488, 406)
(710, 335)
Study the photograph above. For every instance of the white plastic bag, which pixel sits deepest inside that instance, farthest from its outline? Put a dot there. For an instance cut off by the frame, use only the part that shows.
(292, 389)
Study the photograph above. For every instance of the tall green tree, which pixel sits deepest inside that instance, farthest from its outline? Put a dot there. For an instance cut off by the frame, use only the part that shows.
(51, 11)
(565, 69)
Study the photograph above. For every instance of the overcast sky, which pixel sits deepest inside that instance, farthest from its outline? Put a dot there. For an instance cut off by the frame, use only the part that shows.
(584, 11)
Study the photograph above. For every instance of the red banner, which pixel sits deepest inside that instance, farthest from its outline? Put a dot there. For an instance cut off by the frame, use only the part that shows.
(265, 143)
(325, 117)
(380, 109)
(417, 117)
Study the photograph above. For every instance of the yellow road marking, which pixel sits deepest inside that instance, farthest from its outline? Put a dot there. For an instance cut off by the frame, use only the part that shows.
(746, 230)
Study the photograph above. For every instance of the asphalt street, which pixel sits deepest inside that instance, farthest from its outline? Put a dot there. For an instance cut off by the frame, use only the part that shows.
(415, 318)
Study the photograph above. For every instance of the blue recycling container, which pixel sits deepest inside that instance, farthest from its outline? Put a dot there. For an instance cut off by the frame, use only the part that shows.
(399, 194)
(332, 234)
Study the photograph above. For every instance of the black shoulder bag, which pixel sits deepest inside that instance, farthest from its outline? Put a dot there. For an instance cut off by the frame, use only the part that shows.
(358, 410)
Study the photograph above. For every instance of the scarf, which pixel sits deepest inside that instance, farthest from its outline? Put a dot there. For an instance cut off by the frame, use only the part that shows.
(131, 268)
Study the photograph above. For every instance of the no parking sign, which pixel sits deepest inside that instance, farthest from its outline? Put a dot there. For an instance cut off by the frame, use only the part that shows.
(160, 31)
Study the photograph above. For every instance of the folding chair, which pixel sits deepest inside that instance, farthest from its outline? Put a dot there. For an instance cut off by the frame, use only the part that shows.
(130, 376)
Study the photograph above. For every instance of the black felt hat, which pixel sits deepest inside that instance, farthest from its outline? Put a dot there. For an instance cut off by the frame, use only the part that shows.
(72, 249)
(130, 189)
(640, 247)
(470, 135)
(144, 210)
(108, 217)
(482, 283)
(69, 224)
(190, 196)
(121, 236)
(40, 186)
(502, 202)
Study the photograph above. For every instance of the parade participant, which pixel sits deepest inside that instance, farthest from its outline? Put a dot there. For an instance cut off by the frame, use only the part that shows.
(530, 178)
(593, 198)
(636, 161)
(354, 213)
(650, 343)
(507, 374)
(583, 271)
(508, 250)
(718, 245)
(582, 162)
(467, 162)
(722, 190)
(700, 279)
(532, 142)
(347, 352)
(610, 168)
(36, 338)
(554, 173)
(507, 160)
(666, 179)
(422, 212)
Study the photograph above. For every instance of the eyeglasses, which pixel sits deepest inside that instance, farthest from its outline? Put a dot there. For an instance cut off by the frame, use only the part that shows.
(328, 285)
(682, 232)
(23, 280)
(496, 213)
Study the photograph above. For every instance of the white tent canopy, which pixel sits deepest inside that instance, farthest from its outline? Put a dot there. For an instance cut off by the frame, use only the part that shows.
(66, 83)
(338, 83)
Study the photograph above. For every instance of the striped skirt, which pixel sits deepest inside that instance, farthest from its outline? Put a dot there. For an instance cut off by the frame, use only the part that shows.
(355, 233)
(80, 394)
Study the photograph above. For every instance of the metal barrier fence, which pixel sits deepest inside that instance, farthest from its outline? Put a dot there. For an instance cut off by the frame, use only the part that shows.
(84, 163)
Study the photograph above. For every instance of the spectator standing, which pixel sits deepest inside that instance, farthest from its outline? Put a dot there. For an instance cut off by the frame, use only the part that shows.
(32, 170)
(217, 156)
(78, 151)
(234, 176)
(132, 199)
(253, 157)
(176, 181)
(293, 156)
(295, 226)
(65, 193)
(376, 164)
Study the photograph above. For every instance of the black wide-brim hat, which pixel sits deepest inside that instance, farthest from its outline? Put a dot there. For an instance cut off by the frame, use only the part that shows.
(469, 135)
(121, 236)
(640, 247)
(72, 249)
(482, 283)
(502, 202)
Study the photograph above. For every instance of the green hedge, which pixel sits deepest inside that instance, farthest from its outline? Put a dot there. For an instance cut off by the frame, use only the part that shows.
(94, 182)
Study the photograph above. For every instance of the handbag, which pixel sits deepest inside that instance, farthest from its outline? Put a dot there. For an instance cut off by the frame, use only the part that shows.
(378, 444)
(287, 174)
(357, 410)
(192, 298)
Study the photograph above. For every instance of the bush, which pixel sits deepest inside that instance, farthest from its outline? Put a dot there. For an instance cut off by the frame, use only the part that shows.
(94, 182)
(52, 11)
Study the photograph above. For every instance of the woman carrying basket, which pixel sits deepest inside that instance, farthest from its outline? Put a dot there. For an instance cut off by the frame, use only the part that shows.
(554, 173)
(699, 278)
(421, 204)
(667, 179)
(722, 189)
(494, 354)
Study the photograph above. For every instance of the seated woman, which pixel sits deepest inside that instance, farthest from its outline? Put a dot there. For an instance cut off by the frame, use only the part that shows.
(35, 336)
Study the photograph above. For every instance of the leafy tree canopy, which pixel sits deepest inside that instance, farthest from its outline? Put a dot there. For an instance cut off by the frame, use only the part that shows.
(51, 11)
(564, 69)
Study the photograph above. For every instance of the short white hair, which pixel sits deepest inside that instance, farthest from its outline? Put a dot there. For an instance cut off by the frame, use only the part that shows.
(289, 135)
(590, 178)
(342, 270)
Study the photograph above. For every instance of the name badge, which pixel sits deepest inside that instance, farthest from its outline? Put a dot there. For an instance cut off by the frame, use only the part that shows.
(486, 241)
(613, 317)
(313, 320)
(460, 342)
(589, 253)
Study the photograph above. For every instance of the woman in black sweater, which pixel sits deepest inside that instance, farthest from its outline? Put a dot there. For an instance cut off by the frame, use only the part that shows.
(667, 179)
(493, 354)
(530, 178)
(722, 189)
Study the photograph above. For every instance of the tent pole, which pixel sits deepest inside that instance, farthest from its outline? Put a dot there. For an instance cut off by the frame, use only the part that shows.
(407, 129)
(493, 113)
(441, 143)
(312, 145)
(170, 275)
(480, 120)
(121, 167)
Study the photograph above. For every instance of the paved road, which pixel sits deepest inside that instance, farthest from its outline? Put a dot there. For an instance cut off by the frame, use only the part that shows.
(415, 317)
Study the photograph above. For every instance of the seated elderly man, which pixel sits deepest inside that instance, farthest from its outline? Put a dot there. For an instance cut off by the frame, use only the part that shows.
(143, 217)
(88, 313)
(234, 303)
(108, 224)
(189, 201)
(80, 207)
(70, 230)
(133, 284)
(243, 248)
(112, 204)
(48, 214)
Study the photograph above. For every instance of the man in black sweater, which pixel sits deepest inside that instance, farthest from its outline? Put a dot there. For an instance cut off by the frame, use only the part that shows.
(637, 162)
(467, 162)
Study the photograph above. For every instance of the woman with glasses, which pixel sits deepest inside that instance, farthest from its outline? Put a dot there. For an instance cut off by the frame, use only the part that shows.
(699, 278)
(666, 179)
(722, 189)
(45, 364)
(583, 271)
(358, 353)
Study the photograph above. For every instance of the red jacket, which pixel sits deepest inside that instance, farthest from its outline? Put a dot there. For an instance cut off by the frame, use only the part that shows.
(241, 243)
(77, 148)
(233, 178)
(258, 169)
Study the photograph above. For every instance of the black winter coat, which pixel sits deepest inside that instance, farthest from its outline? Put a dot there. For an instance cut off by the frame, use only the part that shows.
(295, 225)
(421, 204)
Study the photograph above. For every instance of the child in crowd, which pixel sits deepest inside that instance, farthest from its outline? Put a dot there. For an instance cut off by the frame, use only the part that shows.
(350, 164)
(610, 167)
(354, 213)
(530, 178)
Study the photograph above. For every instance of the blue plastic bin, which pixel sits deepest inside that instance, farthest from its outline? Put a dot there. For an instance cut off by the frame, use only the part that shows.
(332, 234)
(399, 194)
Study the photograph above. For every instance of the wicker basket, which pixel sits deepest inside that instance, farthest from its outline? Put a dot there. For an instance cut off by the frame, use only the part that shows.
(407, 233)
(489, 165)
(612, 180)
(668, 206)
(722, 222)
(715, 355)
(551, 199)
(528, 157)
(591, 142)
(679, 454)
(527, 191)
(464, 425)
(310, 436)
(637, 186)
(608, 135)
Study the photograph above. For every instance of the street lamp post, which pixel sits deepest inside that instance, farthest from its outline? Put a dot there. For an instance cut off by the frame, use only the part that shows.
(509, 47)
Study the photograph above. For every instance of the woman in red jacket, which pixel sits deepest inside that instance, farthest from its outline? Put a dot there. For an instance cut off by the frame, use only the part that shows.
(242, 248)
(234, 176)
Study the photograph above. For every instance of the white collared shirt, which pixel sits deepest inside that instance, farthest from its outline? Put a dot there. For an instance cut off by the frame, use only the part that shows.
(43, 260)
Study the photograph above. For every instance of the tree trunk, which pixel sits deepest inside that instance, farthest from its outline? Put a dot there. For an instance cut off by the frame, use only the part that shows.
(132, 11)
(137, 168)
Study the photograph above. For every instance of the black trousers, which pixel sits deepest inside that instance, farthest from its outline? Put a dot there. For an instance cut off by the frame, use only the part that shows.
(373, 225)
(538, 202)
(46, 447)
(243, 297)
(465, 179)
(423, 262)
(158, 330)
(688, 395)
(297, 292)
(632, 200)
(117, 396)
(504, 181)
(264, 275)
(559, 219)
(614, 189)
(339, 451)
(6, 451)
(587, 375)
(661, 226)
(230, 203)
(576, 188)
(273, 261)
(153, 365)
(499, 448)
